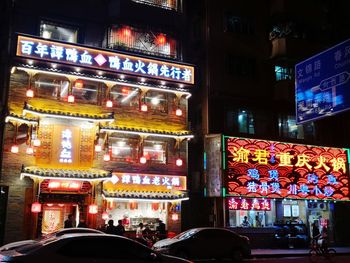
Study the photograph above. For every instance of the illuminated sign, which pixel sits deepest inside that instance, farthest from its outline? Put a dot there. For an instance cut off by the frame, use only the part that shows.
(64, 185)
(249, 204)
(66, 143)
(258, 168)
(102, 59)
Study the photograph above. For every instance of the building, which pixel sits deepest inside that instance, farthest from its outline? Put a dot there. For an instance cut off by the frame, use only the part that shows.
(96, 116)
(247, 51)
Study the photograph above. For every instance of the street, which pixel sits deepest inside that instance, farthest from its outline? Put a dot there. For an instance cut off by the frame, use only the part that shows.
(335, 259)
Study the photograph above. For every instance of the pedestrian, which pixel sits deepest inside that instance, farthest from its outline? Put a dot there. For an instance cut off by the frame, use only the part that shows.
(139, 235)
(69, 221)
(161, 229)
(82, 223)
(315, 233)
(111, 229)
(245, 222)
(120, 229)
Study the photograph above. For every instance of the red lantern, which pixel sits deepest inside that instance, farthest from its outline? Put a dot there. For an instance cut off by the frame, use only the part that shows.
(143, 160)
(93, 209)
(36, 142)
(30, 150)
(179, 162)
(71, 98)
(79, 84)
(98, 148)
(30, 93)
(178, 112)
(133, 205)
(126, 32)
(144, 107)
(155, 206)
(161, 39)
(106, 157)
(36, 207)
(109, 104)
(14, 148)
(104, 215)
(175, 217)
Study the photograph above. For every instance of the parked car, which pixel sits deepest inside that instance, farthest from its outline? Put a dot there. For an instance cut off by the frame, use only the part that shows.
(87, 248)
(206, 243)
(58, 233)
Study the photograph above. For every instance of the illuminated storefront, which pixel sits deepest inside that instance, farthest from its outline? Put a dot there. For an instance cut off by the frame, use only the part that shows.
(102, 135)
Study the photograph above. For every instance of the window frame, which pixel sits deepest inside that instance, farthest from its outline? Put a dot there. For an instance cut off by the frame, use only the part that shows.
(61, 24)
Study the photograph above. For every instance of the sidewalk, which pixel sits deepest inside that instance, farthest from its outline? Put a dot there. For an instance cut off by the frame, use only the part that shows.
(292, 252)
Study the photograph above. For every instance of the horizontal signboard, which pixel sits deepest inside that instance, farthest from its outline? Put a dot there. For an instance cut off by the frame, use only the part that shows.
(258, 168)
(81, 56)
(248, 204)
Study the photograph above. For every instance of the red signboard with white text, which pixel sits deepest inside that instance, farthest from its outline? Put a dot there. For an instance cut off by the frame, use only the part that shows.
(259, 168)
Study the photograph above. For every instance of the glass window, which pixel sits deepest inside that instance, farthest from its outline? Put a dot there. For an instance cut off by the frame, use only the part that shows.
(155, 151)
(85, 91)
(237, 24)
(166, 4)
(48, 86)
(246, 122)
(283, 73)
(142, 40)
(55, 31)
(157, 101)
(288, 128)
(123, 149)
(125, 96)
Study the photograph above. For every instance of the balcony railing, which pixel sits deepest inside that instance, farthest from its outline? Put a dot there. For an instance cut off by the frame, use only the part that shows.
(147, 41)
(166, 4)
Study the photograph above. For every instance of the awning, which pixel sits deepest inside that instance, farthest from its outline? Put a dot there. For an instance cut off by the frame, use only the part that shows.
(83, 175)
(145, 196)
(21, 119)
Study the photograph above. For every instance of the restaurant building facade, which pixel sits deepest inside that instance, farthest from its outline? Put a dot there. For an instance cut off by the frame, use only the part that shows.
(95, 132)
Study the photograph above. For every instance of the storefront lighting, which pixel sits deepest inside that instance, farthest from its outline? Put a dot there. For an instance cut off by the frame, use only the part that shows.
(105, 216)
(77, 69)
(29, 150)
(54, 66)
(190, 136)
(155, 101)
(71, 98)
(36, 142)
(143, 160)
(100, 73)
(181, 85)
(30, 93)
(36, 207)
(144, 108)
(109, 103)
(98, 148)
(143, 80)
(162, 83)
(126, 32)
(93, 209)
(49, 205)
(178, 112)
(30, 62)
(122, 76)
(79, 84)
(114, 179)
(106, 157)
(14, 148)
(179, 162)
(13, 70)
(174, 217)
(61, 205)
(161, 39)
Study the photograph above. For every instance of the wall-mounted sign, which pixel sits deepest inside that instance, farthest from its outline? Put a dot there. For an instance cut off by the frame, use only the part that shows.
(258, 168)
(66, 144)
(72, 54)
(322, 83)
(64, 185)
(249, 204)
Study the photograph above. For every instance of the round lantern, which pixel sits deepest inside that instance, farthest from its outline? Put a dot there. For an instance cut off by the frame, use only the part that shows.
(36, 207)
(179, 162)
(93, 209)
(104, 215)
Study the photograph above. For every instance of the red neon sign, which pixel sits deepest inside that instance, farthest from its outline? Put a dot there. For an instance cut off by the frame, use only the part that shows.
(65, 185)
(258, 168)
(249, 204)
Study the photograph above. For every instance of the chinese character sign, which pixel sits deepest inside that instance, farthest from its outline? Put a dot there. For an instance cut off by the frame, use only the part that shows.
(248, 204)
(66, 146)
(102, 59)
(258, 168)
(322, 83)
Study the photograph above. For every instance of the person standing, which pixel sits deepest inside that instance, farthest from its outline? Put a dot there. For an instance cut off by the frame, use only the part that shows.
(111, 229)
(245, 222)
(69, 221)
(161, 229)
(120, 229)
(315, 233)
(139, 235)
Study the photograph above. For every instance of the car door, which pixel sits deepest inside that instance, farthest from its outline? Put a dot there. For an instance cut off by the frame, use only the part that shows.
(201, 245)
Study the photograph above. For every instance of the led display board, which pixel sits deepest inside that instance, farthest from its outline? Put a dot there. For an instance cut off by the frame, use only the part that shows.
(322, 83)
(259, 168)
(81, 56)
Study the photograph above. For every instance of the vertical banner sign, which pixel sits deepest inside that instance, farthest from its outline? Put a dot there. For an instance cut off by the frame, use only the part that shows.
(322, 83)
(258, 168)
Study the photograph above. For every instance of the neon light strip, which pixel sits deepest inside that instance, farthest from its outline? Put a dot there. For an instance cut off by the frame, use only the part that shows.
(61, 178)
(223, 153)
(144, 200)
(65, 117)
(105, 81)
(21, 120)
(148, 134)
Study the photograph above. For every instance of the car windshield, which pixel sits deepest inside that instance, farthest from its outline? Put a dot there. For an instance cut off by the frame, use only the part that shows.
(186, 234)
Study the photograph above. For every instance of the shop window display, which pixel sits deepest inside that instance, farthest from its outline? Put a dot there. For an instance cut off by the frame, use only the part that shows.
(47, 86)
(123, 149)
(157, 101)
(155, 151)
(123, 96)
(87, 92)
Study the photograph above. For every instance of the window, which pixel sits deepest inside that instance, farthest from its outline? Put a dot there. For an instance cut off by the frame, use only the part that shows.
(155, 151)
(86, 91)
(48, 86)
(157, 101)
(144, 41)
(245, 122)
(283, 73)
(166, 4)
(287, 127)
(240, 66)
(123, 149)
(237, 24)
(55, 31)
(123, 96)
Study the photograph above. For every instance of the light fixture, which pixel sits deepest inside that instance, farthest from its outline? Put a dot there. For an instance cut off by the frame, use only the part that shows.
(143, 160)
(105, 215)
(114, 179)
(143, 79)
(30, 93)
(158, 147)
(162, 83)
(46, 34)
(122, 76)
(174, 217)
(13, 70)
(53, 65)
(29, 150)
(178, 112)
(14, 148)
(36, 207)
(98, 148)
(100, 73)
(144, 107)
(30, 62)
(106, 157)
(161, 39)
(126, 32)
(181, 85)
(155, 101)
(77, 69)
(36, 142)
(93, 209)
(179, 162)
(71, 98)
(109, 103)
(79, 84)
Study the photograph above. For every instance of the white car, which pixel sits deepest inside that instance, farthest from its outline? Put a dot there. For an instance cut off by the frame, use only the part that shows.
(87, 248)
(58, 233)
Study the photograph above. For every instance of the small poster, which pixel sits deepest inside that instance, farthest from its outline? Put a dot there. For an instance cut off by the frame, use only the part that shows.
(286, 211)
(295, 210)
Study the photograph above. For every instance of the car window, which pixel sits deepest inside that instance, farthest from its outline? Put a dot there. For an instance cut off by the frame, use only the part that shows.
(104, 247)
(186, 234)
(26, 249)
